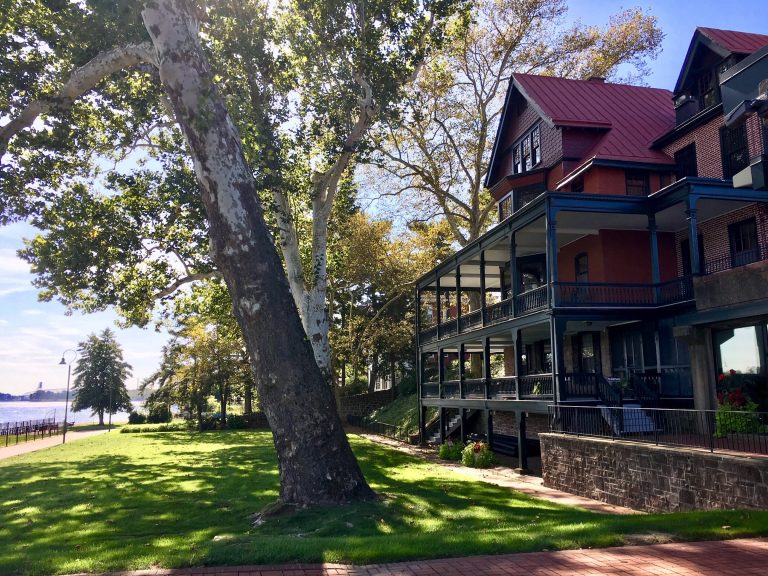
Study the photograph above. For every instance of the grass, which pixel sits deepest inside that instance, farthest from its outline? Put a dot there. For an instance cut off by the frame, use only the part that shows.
(402, 412)
(132, 501)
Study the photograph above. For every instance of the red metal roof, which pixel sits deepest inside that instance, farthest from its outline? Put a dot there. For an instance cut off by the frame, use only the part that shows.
(734, 41)
(632, 117)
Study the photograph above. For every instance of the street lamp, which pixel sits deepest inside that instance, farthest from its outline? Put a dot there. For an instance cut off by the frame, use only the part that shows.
(69, 373)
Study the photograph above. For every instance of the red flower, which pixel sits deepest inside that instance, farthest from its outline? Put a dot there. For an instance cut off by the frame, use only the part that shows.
(477, 447)
(732, 371)
(721, 378)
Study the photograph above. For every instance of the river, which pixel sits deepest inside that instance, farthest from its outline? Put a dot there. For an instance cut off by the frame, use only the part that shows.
(21, 411)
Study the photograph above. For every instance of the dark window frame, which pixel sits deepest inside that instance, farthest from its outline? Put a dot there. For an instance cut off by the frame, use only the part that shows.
(685, 161)
(637, 183)
(744, 242)
(526, 152)
(581, 267)
(734, 149)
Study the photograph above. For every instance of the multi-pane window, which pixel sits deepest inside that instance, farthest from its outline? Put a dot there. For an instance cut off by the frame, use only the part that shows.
(526, 154)
(708, 92)
(685, 159)
(735, 150)
(743, 239)
(582, 267)
(637, 183)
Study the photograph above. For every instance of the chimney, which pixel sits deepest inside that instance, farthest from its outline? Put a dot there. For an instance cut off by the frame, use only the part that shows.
(599, 79)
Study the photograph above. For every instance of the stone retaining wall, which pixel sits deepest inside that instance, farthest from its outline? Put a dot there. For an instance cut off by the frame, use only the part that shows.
(653, 478)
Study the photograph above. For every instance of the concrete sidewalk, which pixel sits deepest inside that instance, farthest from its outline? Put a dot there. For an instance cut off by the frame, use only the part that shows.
(747, 557)
(33, 445)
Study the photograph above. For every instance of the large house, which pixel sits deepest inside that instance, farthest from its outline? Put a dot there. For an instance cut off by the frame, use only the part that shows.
(629, 263)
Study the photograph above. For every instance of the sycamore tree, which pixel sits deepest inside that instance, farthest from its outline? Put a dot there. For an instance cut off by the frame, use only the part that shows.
(437, 160)
(84, 79)
(100, 376)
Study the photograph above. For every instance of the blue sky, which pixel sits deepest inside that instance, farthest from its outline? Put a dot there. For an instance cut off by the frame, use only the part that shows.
(33, 334)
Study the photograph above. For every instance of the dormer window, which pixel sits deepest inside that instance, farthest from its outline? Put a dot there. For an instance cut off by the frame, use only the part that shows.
(526, 153)
(708, 94)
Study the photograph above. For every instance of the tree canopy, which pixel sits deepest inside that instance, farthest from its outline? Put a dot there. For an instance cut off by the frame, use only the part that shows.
(100, 376)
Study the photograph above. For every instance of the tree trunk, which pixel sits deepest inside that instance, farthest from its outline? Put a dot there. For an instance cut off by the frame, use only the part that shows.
(223, 393)
(101, 417)
(248, 400)
(315, 461)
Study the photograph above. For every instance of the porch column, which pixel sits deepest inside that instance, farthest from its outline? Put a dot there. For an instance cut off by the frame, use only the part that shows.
(440, 372)
(514, 288)
(418, 314)
(486, 365)
(551, 225)
(522, 454)
(556, 332)
(458, 299)
(701, 350)
(462, 422)
(489, 428)
(437, 303)
(422, 424)
(518, 360)
(462, 352)
(655, 271)
(482, 287)
(442, 425)
(693, 236)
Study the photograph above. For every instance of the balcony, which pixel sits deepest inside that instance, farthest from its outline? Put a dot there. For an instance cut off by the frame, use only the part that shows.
(614, 295)
(529, 387)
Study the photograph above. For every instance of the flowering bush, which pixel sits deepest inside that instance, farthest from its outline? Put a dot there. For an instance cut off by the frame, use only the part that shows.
(450, 450)
(736, 412)
(477, 455)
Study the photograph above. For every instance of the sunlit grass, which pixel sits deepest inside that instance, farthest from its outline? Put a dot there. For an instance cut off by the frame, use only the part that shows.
(132, 501)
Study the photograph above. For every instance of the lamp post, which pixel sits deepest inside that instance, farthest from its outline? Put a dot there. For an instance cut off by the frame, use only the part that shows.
(69, 373)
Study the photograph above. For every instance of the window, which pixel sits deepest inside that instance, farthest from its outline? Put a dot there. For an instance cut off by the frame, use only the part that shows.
(709, 95)
(734, 149)
(685, 159)
(743, 239)
(527, 152)
(637, 183)
(582, 267)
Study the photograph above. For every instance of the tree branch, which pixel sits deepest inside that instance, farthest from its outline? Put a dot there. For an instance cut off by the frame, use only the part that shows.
(80, 81)
(186, 280)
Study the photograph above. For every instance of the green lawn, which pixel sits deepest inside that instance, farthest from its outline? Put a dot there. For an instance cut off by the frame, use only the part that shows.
(130, 501)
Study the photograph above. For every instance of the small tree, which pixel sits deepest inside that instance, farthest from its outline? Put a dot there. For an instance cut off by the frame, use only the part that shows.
(100, 376)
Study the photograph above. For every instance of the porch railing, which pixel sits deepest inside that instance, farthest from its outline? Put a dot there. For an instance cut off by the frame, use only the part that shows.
(471, 320)
(530, 387)
(709, 429)
(577, 294)
(498, 312)
(532, 300)
(756, 254)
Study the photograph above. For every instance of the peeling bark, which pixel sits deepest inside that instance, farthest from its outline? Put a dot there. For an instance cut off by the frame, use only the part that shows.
(315, 461)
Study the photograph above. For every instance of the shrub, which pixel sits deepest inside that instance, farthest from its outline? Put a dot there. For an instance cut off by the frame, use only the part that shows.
(478, 455)
(136, 417)
(159, 413)
(236, 422)
(450, 450)
(168, 427)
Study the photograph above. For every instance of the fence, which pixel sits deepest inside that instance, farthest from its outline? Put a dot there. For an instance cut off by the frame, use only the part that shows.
(36, 428)
(738, 431)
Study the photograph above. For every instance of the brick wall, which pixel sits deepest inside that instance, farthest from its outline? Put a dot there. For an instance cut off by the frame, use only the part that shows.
(653, 478)
(363, 404)
(707, 137)
(714, 232)
(506, 423)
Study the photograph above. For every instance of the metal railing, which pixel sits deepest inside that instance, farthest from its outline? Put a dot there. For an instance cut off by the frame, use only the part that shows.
(574, 294)
(532, 300)
(380, 428)
(471, 320)
(498, 312)
(536, 386)
(428, 335)
(35, 428)
(756, 254)
(531, 387)
(738, 431)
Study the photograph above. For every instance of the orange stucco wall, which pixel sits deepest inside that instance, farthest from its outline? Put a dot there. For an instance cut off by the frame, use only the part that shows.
(618, 256)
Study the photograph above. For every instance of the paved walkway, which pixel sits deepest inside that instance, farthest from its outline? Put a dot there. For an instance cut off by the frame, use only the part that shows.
(727, 558)
(33, 445)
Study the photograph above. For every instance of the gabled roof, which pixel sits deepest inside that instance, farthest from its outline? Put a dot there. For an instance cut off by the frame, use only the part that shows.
(629, 117)
(722, 42)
